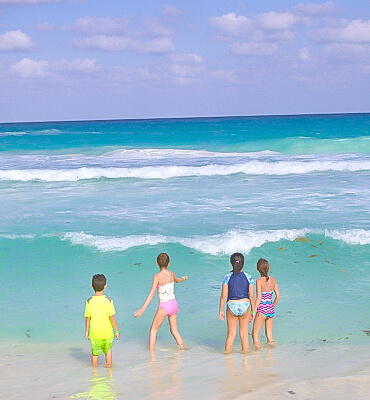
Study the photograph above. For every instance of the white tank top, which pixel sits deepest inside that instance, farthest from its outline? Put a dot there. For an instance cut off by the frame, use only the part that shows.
(166, 292)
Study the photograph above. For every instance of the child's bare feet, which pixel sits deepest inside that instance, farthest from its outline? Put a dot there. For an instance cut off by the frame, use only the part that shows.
(272, 343)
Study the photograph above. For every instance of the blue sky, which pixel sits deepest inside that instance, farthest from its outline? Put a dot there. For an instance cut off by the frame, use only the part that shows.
(103, 59)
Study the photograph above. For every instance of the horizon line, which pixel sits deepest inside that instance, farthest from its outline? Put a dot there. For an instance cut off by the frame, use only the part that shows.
(180, 118)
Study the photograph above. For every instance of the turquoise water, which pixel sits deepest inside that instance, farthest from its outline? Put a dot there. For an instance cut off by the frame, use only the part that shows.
(79, 198)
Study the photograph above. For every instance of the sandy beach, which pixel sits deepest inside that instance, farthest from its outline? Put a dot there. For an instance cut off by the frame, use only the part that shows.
(320, 371)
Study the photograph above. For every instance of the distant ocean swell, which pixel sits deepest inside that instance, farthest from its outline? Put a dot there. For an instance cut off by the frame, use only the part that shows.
(217, 245)
(166, 172)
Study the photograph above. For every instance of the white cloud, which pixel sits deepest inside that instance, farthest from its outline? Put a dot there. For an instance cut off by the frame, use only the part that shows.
(107, 43)
(28, 68)
(15, 41)
(121, 43)
(266, 25)
(86, 65)
(355, 31)
(185, 68)
(172, 11)
(280, 21)
(304, 54)
(230, 24)
(157, 46)
(315, 9)
(254, 49)
(96, 25)
(187, 58)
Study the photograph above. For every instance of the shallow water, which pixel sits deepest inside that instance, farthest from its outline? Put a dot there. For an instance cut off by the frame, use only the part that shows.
(90, 197)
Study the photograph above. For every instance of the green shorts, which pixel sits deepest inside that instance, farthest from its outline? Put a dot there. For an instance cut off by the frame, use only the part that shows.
(97, 345)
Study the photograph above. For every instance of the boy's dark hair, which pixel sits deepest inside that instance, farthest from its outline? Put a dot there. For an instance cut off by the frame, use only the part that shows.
(98, 282)
(163, 260)
(237, 261)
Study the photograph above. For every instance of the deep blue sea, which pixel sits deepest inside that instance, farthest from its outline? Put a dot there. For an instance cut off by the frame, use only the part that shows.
(79, 198)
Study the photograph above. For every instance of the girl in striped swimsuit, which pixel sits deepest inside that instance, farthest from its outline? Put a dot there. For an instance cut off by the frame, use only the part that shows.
(266, 286)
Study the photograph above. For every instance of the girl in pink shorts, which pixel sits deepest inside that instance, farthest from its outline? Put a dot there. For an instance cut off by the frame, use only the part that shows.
(163, 282)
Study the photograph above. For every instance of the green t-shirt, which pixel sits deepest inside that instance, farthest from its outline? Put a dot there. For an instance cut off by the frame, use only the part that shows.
(99, 309)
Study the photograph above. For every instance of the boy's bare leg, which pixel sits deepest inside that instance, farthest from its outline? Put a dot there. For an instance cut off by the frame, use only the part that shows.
(232, 327)
(173, 328)
(108, 358)
(159, 317)
(94, 360)
(243, 330)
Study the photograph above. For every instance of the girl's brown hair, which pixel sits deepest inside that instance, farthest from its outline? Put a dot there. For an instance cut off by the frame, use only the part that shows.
(263, 268)
(163, 260)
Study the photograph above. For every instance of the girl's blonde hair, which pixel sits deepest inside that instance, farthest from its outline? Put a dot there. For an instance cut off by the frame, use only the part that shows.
(263, 268)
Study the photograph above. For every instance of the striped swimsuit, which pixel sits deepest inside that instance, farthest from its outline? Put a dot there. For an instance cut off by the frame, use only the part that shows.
(266, 307)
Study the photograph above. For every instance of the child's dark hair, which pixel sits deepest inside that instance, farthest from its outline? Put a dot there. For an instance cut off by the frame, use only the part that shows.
(98, 282)
(237, 261)
(163, 260)
(263, 267)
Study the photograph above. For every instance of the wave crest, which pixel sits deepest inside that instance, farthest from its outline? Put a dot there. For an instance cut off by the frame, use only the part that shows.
(166, 172)
(217, 245)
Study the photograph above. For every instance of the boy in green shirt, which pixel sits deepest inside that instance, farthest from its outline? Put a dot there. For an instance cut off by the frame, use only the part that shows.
(99, 314)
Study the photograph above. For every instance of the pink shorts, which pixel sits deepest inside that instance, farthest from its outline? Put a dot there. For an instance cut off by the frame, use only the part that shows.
(170, 307)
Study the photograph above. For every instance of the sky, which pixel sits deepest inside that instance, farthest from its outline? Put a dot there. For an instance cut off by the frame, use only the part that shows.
(112, 59)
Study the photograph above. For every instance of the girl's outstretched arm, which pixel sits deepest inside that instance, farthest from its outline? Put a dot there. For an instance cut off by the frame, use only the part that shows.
(277, 294)
(223, 297)
(179, 280)
(138, 313)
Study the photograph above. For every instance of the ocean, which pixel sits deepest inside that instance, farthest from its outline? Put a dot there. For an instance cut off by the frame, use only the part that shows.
(86, 197)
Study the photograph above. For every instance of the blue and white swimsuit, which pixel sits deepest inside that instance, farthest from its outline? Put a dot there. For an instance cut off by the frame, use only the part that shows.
(238, 289)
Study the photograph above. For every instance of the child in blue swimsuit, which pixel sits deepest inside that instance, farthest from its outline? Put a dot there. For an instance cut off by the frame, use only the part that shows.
(238, 291)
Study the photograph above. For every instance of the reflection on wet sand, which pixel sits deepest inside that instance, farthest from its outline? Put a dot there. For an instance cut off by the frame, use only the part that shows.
(101, 387)
(165, 380)
(247, 372)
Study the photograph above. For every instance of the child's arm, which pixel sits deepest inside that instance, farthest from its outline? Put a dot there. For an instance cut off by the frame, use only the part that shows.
(179, 280)
(87, 327)
(252, 301)
(138, 313)
(277, 294)
(115, 326)
(223, 297)
(258, 299)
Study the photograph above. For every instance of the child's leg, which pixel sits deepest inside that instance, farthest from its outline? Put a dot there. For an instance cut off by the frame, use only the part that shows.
(173, 328)
(94, 360)
(108, 358)
(159, 317)
(257, 325)
(232, 327)
(268, 330)
(243, 329)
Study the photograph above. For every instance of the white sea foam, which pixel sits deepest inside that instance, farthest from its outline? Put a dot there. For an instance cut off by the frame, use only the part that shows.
(165, 172)
(352, 236)
(227, 243)
(15, 237)
(178, 153)
(108, 243)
